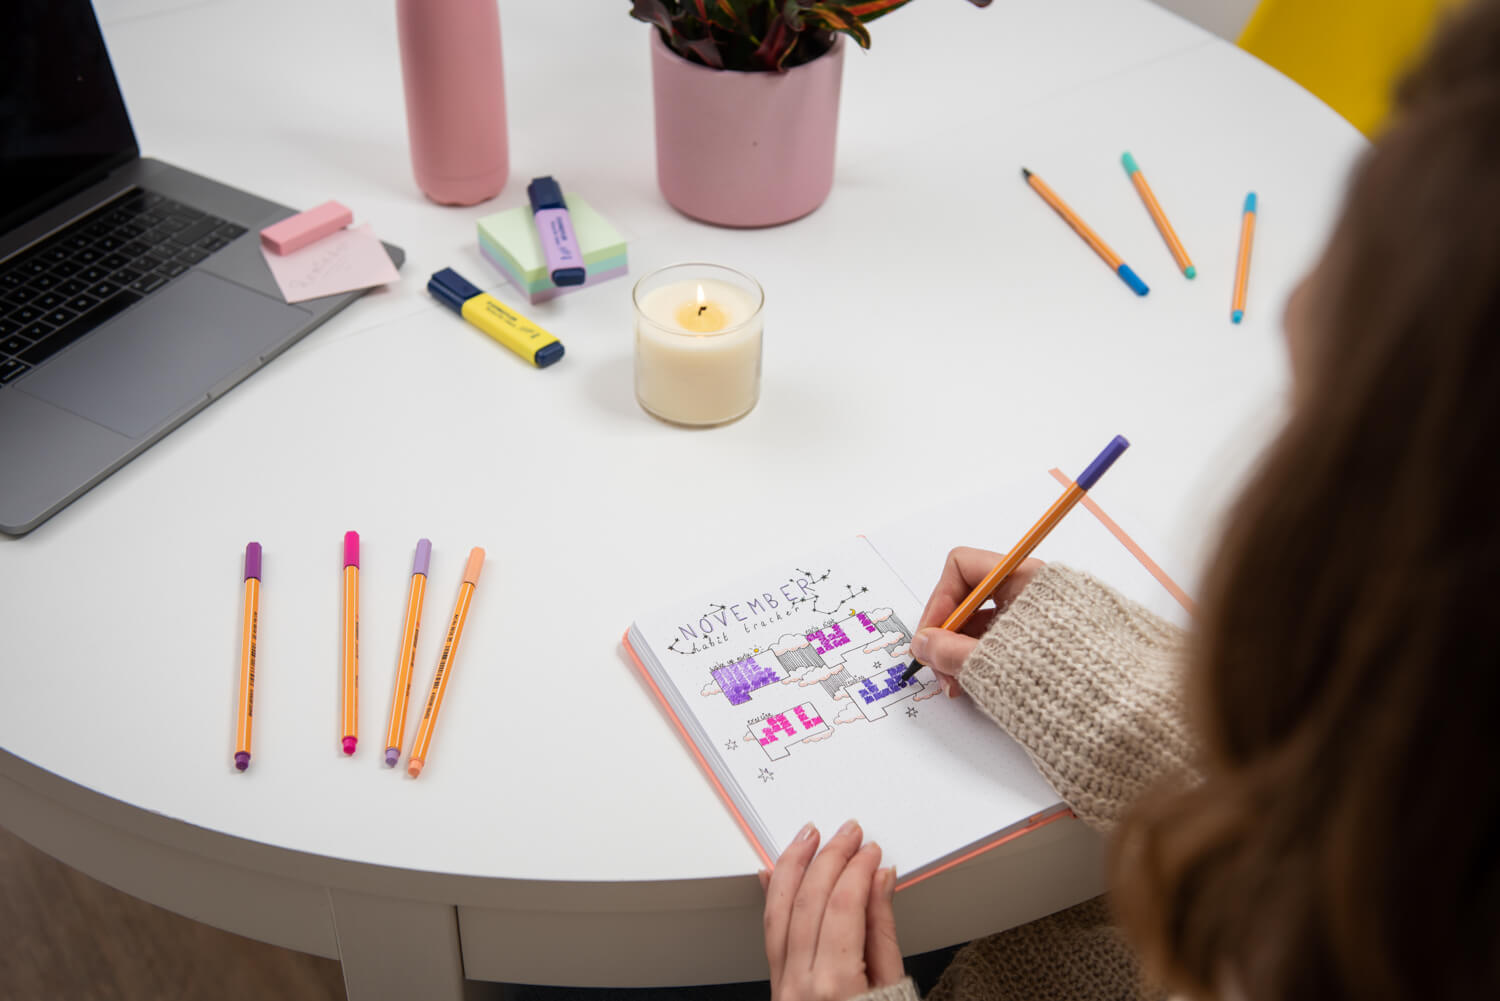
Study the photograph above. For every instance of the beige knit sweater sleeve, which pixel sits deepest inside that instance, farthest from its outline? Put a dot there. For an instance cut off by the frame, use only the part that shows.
(1089, 683)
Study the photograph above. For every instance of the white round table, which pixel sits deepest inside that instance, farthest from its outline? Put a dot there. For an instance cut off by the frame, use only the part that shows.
(934, 311)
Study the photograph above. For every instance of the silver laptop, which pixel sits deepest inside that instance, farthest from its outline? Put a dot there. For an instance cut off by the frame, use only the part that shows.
(132, 293)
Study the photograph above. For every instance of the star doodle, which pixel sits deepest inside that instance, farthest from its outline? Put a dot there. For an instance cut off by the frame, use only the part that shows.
(766, 775)
(730, 745)
(911, 711)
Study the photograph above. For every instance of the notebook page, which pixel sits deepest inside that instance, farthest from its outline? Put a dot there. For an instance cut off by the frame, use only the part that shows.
(791, 675)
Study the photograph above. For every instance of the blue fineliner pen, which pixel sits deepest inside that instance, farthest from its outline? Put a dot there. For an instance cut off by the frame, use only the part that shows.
(492, 316)
(555, 228)
(1242, 267)
(1080, 227)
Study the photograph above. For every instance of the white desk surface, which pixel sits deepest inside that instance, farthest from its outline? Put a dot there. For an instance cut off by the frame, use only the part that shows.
(945, 292)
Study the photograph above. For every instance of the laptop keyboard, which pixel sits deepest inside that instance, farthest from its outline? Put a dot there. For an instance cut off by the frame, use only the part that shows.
(54, 293)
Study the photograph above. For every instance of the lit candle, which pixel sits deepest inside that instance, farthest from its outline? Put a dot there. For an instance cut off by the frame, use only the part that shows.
(698, 344)
(702, 316)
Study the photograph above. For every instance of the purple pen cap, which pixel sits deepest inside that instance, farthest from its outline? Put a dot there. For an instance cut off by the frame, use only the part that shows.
(424, 555)
(252, 561)
(351, 549)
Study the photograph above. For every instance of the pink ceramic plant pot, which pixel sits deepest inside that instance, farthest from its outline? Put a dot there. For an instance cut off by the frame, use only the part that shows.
(745, 149)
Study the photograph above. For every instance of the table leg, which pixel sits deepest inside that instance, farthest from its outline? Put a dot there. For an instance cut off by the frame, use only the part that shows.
(397, 949)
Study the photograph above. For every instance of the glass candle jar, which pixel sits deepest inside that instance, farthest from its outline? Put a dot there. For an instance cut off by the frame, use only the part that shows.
(698, 343)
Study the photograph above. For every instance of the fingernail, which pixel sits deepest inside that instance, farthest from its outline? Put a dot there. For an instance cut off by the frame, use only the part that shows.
(890, 882)
(919, 645)
(850, 826)
(808, 831)
(952, 687)
(947, 686)
(765, 879)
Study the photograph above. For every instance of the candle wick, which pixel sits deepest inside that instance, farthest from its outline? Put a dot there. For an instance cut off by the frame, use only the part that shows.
(701, 309)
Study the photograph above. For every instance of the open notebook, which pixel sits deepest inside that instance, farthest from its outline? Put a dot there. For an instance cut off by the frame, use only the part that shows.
(786, 684)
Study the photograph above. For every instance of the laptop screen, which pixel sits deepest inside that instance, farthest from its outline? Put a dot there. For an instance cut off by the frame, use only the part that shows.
(62, 121)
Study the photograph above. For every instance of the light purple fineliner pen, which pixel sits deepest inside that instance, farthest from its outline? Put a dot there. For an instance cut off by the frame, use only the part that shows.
(555, 229)
(408, 655)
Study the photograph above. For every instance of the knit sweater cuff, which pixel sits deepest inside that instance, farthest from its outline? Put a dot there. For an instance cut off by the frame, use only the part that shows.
(903, 990)
(1088, 682)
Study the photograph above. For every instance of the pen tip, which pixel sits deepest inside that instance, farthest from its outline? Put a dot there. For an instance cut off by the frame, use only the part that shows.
(1025, 173)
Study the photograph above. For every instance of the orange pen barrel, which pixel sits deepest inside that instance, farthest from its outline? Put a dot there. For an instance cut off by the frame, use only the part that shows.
(349, 727)
(1013, 559)
(1242, 268)
(423, 742)
(1071, 218)
(406, 659)
(246, 714)
(1163, 226)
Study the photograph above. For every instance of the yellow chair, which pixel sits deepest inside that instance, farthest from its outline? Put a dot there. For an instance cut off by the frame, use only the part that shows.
(1350, 53)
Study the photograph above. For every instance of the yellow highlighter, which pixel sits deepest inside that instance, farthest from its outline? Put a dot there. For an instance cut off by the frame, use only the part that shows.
(495, 318)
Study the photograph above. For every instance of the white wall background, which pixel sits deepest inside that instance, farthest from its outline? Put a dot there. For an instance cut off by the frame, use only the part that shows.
(1223, 17)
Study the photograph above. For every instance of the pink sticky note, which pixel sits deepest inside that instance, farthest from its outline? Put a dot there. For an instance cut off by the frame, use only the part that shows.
(349, 259)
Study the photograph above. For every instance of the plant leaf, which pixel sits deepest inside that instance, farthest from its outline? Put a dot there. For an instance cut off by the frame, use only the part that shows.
(776, 45)
(837, 17)
(653, 12)
(706, 49)
(871, 9)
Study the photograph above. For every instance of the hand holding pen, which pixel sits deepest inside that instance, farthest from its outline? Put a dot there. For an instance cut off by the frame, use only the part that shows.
(945, 651)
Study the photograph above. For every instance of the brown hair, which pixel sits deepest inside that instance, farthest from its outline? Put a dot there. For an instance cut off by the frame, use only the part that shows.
(1345, 672)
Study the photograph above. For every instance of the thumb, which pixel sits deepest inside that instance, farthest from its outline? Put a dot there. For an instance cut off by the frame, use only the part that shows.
(941, 650)
(882, 951)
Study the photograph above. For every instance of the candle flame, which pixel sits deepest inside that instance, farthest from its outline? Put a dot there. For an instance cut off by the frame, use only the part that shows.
(700, 295)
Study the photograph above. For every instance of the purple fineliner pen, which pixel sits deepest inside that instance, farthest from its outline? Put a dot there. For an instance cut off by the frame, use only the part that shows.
(408, 655)
(555, 228)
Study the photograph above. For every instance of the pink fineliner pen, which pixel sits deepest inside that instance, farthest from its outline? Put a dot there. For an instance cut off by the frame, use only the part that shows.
(349, 724)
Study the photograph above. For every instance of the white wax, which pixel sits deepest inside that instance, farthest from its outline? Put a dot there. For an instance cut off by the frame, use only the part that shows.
(697, 378)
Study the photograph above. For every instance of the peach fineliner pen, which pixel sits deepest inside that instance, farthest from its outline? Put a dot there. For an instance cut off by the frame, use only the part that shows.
(402, 695)
(423, 742)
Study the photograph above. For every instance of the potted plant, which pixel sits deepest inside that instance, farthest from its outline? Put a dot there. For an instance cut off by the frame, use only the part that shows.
(747, 98)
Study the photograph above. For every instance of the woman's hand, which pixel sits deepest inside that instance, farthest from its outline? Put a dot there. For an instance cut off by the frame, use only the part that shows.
(944, 651)
(830, 929)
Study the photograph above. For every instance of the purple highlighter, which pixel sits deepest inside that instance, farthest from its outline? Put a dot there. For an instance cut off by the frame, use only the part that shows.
(554, 228)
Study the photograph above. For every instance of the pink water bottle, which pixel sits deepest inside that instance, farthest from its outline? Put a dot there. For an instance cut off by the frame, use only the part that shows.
(455, 98)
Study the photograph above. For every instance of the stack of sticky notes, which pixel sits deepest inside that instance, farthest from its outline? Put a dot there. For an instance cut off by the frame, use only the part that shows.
(509, 241)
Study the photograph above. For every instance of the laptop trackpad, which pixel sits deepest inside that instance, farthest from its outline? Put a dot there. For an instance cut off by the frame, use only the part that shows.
(166, 353)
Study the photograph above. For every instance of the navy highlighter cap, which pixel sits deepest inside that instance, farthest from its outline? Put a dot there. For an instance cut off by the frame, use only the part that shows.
(545, 193)
(451, 289)
(550, 353)
(555, 231)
